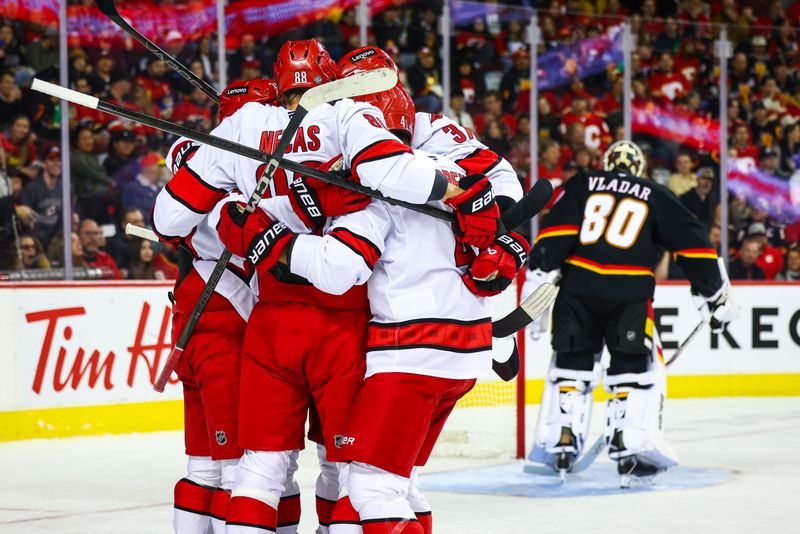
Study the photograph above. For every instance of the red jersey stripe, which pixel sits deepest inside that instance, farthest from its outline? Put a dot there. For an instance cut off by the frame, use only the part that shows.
(190, 190)
(360, 245)
(481, 161)
(453, 336)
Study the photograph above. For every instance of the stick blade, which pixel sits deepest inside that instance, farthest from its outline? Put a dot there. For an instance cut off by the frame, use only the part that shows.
(531, 308)
(363, 83)
(508, 369)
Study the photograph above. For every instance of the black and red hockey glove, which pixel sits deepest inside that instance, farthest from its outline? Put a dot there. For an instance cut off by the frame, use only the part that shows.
(476, 210)
(494, 269)
(258, 238)
(313, 201)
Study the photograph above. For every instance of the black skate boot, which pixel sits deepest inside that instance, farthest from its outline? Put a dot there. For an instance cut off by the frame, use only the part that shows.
(565, 459)
(635, 471)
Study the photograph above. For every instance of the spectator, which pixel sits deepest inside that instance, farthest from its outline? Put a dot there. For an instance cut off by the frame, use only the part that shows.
(425, 82)
(10, 97)
(389, 27)
(741, 147)
(742, 82)
(140, 257)
(470, 82)
(247, 51)
(763, 130)
(155, 82)
(493, 110)
(43, 54)
(699, 200)
(520, 156)
(11, 55)
(121, 164)
(117, 244)
(770, 258)
(550, 163)
(744, 267)
(424, 31)
(496, 138)
(32, 253)
(790, 148)
(141, 193)
(667, 83)
(194, 110)
(549, 121)
(56, 251)
(715, 237)
(92, 185)
(43, 195)
(669, 40)
(770, 163)
(19, 147)
(791, 269)
(517, 79)
(101, 80)
(683, 179)
(759, 213)
(90, 238)
(457, 111)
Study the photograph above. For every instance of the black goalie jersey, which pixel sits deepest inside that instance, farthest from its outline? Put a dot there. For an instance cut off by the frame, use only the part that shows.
(604, 234)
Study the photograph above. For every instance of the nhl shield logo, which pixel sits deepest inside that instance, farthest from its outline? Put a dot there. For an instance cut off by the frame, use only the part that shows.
(317, 79)
(631, 335)
(222, 439)
(340, 441)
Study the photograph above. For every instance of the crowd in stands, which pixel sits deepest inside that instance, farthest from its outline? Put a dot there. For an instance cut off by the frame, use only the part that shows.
(117, 168)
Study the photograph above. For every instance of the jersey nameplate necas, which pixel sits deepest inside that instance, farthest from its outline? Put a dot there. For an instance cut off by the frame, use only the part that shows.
(623, 186)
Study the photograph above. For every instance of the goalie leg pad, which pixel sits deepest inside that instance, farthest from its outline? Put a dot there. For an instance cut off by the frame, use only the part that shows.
(566, 410)
(635, 415)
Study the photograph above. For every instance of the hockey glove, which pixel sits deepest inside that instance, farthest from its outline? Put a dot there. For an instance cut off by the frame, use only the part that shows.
(476, 210)
(494, 269)
(313, 201)
(719, 309)
(258, 238)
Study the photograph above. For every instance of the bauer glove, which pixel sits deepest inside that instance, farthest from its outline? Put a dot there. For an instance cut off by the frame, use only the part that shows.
(476, 210)
(494, 269)
(257, 238)
(313, 201)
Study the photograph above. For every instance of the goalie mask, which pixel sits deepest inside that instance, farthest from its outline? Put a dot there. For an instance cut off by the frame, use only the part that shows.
(237, 94)
(624, 156)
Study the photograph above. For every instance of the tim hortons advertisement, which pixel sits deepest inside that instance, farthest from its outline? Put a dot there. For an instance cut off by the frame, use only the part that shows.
(81, 344)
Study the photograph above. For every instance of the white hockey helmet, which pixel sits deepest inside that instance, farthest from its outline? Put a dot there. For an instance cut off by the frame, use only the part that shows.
(624, 155)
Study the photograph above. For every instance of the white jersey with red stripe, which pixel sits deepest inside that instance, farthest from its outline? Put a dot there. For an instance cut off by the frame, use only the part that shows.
(206, 248)
(424, 319)
(440, 135)
(347, 129)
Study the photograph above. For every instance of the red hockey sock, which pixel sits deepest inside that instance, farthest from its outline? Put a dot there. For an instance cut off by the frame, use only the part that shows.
(324, 510)
(249, 512)
(193, 497)
(391, 526)
(344, 513)
(289, 511)
(219, 504)
(426, 520)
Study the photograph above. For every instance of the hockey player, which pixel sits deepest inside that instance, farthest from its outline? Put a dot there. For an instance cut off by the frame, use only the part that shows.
(209, 368)
(603, 235)
(441, 136)
(429, 338)
(302, 344)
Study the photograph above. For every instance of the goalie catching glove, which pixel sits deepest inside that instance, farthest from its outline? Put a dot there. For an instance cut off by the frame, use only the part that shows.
(494, 269)
(476, 210)
(254, 237)
(719, 309)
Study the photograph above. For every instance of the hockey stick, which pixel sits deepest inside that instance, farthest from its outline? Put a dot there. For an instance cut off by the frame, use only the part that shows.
(531, 308)
(108, 9)
(584, 462)
(138, 231)
(523, 211)
(723, 273)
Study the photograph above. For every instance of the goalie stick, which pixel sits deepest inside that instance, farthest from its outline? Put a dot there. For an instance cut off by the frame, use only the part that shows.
(521, 212)
(583, 463)
(109, 9)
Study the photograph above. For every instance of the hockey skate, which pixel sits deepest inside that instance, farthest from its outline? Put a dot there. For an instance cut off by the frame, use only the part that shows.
(566, 453)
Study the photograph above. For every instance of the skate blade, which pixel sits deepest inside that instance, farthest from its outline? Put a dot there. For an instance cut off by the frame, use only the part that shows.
(632, 481)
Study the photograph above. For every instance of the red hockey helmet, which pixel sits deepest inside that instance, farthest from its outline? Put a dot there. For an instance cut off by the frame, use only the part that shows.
(365, 59)
(302, 65)
(237, 94)
(397, 107)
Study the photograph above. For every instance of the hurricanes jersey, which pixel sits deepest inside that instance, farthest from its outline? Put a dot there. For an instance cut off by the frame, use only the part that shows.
(604, 234)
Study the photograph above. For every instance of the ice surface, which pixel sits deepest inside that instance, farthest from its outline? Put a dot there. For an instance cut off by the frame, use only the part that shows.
(123, 484)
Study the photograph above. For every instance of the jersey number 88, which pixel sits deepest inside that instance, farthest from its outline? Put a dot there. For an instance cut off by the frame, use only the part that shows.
(621, 225)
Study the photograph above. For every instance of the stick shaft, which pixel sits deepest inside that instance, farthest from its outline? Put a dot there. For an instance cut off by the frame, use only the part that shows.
(109, 9)
(685, 344)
